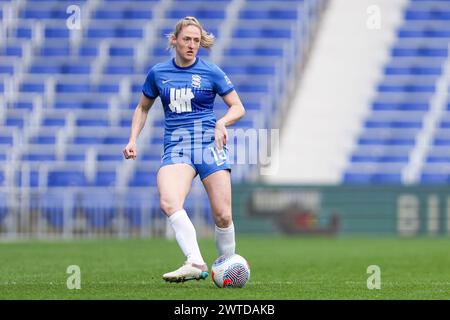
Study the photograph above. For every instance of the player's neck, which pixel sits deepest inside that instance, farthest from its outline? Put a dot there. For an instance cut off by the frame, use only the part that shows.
(184, 63)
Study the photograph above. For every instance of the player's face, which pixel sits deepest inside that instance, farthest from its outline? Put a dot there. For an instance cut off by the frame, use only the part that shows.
(187, 43)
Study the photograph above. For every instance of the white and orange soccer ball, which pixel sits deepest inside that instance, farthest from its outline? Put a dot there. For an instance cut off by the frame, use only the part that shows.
(231, 271)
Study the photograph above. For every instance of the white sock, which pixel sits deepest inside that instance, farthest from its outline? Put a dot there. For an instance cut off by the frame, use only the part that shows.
(186, 236)
(225, 242)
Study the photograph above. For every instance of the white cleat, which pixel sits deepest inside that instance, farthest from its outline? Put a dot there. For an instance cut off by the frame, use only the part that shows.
(189, 271)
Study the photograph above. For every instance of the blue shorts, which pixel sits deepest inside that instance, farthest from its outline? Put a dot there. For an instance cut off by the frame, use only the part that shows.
(205, 159)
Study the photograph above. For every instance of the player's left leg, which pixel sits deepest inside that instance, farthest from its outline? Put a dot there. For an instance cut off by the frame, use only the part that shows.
(218, 187)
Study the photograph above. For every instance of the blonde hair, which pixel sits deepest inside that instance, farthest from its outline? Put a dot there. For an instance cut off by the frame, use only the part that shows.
(207, 39)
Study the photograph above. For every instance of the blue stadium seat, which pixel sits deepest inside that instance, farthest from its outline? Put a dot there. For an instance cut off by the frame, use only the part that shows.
(21, 105)
(380, 141)
(6, 69)
(105, 178)
(110, 157)
(420, 51)
(4, 199)
(15, 122)
(43, 14)
(143, 179)
(250, 69)
(157, 140)
(50, 51)
(434, 178)
(273, 14)
(122, 140)
(254, 51)
(32, 87)
(405, 106)
(12, 50)
(199, 13)
(140, 207)
(32, 180)
(438, 14)
(92, 123)
(38, 157)
(46, 68)
(370, 178)
(6, 139)
(116, 51)
(393, 124)
(88, 140)
(438, 159)
(99, 208)
(53, 206)
(122, 14)
(119, 69)
(385, 158)
(79, 101)
(57, 32)
(432, 32)
(107, 88)
(2, 182)
(117, 32)
(75, 157)
(131, 3)
(23, 33)
(65, 178)
(54, 122)
(263, 32)
(70, 87)
(76, 68)
(43, 139)
(406, 88)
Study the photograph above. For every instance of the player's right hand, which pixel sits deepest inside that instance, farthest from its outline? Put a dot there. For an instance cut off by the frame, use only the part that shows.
(130, 151)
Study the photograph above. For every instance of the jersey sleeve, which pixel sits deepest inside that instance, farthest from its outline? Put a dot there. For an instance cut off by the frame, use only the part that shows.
(222, 84)
(149, 89)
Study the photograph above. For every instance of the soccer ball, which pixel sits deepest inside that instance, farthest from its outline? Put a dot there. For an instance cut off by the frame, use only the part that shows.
(230, 271)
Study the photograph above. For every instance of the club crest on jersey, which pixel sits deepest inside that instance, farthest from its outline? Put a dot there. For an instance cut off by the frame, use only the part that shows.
(196, 81)
(180, 100)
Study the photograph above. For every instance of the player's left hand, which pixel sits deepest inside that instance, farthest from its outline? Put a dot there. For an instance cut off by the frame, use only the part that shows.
(221, 135)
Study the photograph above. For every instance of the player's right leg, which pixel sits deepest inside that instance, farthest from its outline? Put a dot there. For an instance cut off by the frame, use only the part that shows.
(174, 183)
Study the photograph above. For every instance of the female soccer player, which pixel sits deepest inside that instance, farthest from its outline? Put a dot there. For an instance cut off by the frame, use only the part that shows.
(194, 142)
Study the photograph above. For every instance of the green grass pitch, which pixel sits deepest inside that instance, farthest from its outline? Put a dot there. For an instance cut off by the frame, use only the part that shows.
(281, 268)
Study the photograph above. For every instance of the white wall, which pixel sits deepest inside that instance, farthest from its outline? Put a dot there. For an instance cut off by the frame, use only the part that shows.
(337, 86)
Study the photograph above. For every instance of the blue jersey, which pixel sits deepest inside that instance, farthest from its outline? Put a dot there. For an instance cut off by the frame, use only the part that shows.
(187, 93)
